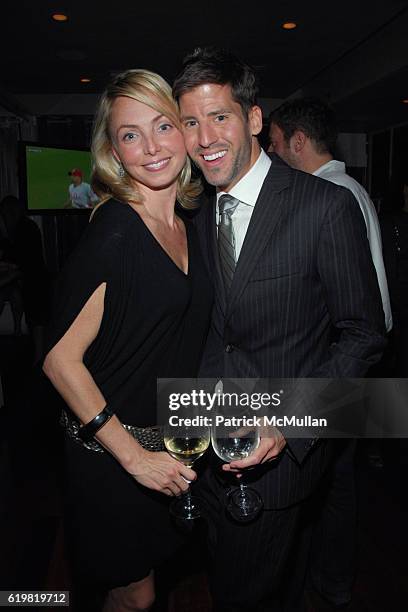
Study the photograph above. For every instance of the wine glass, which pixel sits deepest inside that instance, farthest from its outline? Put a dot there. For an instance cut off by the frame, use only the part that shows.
(186, 444)
(232, 444)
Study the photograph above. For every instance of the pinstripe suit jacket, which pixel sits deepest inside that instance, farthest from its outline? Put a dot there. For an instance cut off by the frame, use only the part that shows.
(304, 270)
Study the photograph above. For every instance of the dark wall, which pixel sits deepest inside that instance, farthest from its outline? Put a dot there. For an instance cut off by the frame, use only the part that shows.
(74, 131)
(389, 163)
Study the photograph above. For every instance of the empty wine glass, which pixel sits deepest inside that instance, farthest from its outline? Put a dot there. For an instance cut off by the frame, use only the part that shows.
(231, 444)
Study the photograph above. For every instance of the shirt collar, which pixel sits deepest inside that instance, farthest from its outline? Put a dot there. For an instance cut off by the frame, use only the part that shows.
(247, 189)
(333, 165)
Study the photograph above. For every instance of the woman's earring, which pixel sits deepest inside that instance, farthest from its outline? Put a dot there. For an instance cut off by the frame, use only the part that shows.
(121, 170)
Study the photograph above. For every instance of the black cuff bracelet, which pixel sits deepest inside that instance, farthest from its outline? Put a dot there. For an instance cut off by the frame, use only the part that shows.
(88, 431)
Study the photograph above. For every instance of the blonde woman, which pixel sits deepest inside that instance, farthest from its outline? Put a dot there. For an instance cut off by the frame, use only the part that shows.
(133, 305)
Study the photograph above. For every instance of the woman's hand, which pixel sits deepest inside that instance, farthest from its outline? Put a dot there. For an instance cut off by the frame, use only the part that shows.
(160, 472)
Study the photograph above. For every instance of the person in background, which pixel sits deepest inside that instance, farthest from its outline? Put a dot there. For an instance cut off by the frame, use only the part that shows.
(21, 246)
(272, 238)
(80, 193)
(303, 132)
(394, 225)
(133, 304)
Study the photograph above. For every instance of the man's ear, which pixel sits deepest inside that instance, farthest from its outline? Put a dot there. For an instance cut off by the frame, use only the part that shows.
(255, 120)
(298, 141)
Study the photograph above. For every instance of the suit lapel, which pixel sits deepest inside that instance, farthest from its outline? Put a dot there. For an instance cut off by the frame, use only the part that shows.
(263, 222)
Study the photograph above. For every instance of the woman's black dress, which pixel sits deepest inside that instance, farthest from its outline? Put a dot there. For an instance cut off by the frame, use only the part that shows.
(154, 325)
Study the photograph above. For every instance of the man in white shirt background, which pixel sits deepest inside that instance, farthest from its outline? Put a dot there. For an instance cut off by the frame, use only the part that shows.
(303, 132)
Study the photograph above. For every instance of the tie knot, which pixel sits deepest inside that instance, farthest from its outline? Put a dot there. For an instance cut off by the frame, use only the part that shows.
(227, 204)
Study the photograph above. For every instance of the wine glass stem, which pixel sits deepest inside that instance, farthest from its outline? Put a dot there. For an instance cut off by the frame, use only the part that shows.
(187, 494)
(242, 488)
(188, 497)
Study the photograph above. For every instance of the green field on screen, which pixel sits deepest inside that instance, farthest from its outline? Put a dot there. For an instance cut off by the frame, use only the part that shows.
(47, 175)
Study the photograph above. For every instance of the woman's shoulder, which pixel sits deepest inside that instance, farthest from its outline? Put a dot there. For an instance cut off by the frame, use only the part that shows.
(110, 210)
(112, 218)
(107, 232)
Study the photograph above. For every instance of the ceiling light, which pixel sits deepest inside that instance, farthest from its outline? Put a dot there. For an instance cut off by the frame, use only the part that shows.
(60, 17)
(289, 25)
(85, 80)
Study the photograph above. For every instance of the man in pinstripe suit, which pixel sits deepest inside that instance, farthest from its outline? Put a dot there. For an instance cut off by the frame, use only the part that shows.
(303, 132)
(303, 269)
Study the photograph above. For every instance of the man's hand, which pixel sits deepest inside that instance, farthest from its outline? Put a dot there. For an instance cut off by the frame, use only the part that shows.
(271, 445)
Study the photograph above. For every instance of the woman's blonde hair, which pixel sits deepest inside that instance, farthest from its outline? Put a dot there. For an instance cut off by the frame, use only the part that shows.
(151, 89)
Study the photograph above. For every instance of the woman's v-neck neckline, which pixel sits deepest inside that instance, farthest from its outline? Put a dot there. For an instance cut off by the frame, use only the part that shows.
(161, 247)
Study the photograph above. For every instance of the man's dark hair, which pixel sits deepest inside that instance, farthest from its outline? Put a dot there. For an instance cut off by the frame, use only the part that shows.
(313, 117)
(220, 67)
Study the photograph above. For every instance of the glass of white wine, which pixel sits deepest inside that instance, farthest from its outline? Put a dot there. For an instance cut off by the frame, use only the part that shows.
(187, 445)
(231, 444)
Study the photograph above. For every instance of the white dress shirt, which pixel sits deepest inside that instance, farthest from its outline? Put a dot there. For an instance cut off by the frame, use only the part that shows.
(246, 191)
(335, 172)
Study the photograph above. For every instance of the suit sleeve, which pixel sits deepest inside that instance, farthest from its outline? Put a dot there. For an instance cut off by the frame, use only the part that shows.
(353, 299)
(351, 289)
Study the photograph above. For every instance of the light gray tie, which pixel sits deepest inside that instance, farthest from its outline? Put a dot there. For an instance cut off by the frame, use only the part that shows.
(226, 238)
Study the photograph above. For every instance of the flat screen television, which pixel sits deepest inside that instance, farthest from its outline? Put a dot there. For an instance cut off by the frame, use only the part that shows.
(45, 175)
